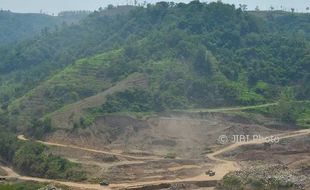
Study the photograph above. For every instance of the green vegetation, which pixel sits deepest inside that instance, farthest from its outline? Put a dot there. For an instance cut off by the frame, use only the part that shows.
(170, 155)
(21, 186)
(31, 159)
(86, 77)
(229, 58)
(296, 24)
(141, 60)
(287, 110)
(231, 182)
(39, 128)
(16, 27)
(135, 100)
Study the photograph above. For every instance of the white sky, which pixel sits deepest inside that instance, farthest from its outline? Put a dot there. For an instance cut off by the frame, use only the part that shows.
(55, 6)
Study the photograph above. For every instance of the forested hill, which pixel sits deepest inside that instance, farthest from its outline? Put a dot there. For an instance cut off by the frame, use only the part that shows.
(281, 21)
(192, 55)
(15, 27)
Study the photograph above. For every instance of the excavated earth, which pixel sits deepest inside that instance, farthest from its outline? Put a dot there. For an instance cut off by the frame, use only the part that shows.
(174, 151)
(291, 155)
(186, 135)
(171, 146)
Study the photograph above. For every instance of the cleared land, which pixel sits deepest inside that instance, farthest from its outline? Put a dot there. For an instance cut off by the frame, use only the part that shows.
(220, 165)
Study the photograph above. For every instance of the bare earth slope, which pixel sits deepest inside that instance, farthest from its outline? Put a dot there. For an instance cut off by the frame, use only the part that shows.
(221, 166)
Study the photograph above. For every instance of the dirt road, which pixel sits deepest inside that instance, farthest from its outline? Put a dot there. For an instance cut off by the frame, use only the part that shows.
(226, 166)
(224, 109)
(113, 153)
(222, 167)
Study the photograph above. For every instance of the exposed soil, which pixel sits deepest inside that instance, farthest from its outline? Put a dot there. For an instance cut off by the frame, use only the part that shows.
(187, 136)
(169, 151)
(292, 153)
(3, 172)
(222, 167)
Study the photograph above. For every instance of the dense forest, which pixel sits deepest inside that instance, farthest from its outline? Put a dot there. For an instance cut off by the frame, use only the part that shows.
(192, 55)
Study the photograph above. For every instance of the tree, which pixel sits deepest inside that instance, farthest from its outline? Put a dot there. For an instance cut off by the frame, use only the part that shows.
(110, 7)
(257, 8)
(293, 10)
(243, 7)
(39, 128)
(131, 51)
(286, 110)
(202, 63)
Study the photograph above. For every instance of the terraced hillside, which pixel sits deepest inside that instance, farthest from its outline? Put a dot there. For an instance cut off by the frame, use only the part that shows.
(83, 79)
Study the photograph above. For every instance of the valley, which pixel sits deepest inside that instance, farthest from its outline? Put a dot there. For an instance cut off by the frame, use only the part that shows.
(159, 96)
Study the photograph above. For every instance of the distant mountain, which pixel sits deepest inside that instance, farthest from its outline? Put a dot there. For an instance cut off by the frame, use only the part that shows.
(15, 27)
(194, 55)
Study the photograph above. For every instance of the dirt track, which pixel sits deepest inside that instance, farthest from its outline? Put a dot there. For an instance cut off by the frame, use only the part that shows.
(222, 167)
(22, 137)
(230, 108)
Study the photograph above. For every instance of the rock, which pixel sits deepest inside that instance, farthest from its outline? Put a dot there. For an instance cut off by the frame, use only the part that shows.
(270, 173)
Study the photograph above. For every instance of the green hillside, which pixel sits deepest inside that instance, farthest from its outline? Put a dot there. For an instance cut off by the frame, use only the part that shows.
(281, 21)
(247, 70)
(194, 55)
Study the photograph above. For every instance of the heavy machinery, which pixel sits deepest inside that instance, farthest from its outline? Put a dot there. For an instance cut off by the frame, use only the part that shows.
(210, 173)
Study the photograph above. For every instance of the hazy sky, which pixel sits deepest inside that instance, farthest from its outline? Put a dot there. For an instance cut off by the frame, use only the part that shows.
(55, 6)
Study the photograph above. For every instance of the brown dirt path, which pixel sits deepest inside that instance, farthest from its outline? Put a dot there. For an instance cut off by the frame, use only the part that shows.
(114, 153)
(222, 166)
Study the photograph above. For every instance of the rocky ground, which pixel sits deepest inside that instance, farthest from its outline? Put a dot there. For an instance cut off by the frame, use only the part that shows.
(50, 187)
(273, 176)
(286, 163)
